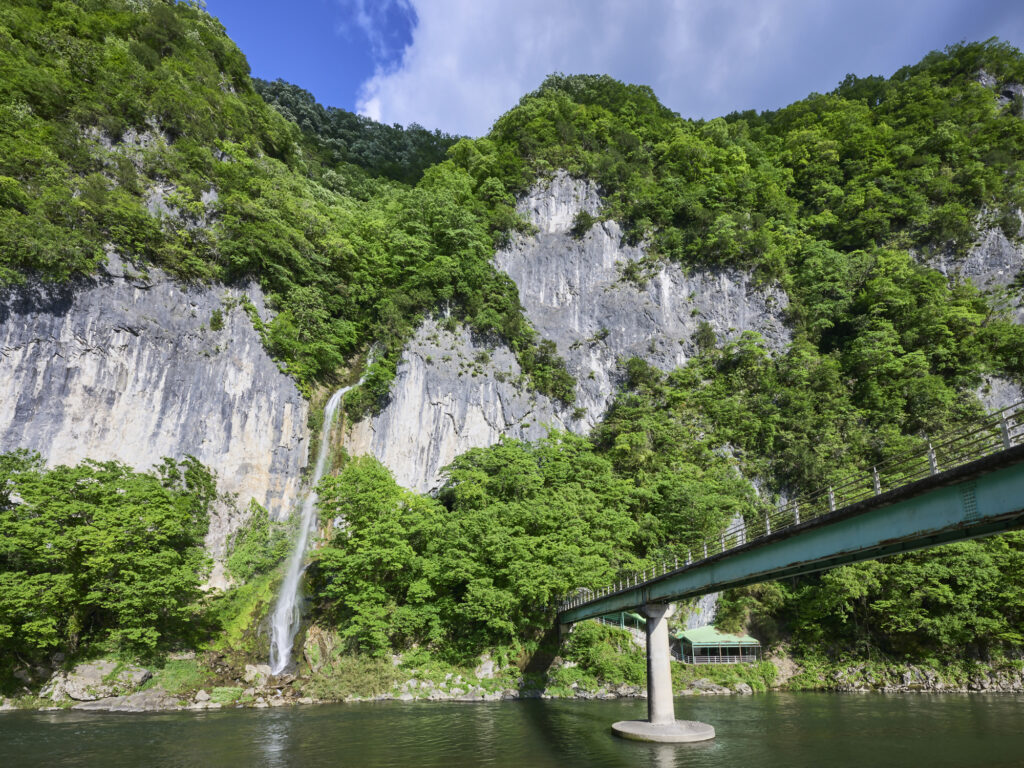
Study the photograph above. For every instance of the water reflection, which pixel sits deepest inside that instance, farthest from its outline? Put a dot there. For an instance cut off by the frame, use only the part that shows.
(789, 730)
(274, 744)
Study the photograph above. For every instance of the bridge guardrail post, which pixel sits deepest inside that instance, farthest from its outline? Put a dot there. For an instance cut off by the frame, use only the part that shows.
(933, 464)
(876, 481)
(831, 500)
(1004, 429)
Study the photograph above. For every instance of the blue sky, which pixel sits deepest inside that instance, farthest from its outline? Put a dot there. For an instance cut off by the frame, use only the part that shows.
(458, 65)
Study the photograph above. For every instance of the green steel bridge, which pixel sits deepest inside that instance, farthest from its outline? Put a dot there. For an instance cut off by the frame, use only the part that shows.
(964, 486)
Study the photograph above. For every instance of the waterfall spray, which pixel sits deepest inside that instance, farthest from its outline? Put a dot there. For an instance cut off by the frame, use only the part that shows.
(287, 615)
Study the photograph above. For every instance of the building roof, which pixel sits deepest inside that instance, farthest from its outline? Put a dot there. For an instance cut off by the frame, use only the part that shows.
(710, 636)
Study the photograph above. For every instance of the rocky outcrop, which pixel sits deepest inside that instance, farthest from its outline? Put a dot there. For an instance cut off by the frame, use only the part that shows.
(707, 687)
(574, 293)
(993, 264)
(997, 393)
(133, 367)
(452, 393)
(910, 678)
(95, 680)
(154, 699)
(701, 611)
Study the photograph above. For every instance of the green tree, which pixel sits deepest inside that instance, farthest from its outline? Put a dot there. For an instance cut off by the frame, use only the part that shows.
(98, 552)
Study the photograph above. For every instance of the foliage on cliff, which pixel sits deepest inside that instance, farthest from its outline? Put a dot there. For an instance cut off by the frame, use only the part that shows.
(99, 554)
(908, 161)
(802, 419)
(259, 546)
(827, 196)
(135, 127)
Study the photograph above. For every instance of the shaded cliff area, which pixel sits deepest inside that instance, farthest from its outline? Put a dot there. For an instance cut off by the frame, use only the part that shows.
(133, 366)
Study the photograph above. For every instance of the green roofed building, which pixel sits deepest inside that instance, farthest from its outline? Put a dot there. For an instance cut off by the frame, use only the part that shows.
(707, 645)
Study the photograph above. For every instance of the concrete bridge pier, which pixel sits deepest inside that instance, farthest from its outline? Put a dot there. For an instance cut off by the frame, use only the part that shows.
(661, 724)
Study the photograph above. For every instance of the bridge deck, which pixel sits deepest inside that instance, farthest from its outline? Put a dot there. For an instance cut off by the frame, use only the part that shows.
(974, 499)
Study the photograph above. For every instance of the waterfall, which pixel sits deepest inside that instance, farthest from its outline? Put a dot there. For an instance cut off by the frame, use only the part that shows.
(287, 616)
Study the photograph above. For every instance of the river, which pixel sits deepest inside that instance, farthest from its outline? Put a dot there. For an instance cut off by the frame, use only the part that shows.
(780, 729)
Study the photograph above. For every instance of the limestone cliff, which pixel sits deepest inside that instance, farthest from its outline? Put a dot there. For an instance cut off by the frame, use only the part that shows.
(452, 393)
(994, 263)
(574, 293)
(127, 367)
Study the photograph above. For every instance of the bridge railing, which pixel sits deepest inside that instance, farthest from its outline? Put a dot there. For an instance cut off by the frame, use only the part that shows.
(997, 432)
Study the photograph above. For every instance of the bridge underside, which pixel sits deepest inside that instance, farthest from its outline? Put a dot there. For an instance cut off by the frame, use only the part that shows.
(971, 501)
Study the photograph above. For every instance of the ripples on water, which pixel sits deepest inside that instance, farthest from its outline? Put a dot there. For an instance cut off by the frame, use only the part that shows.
(784, 730)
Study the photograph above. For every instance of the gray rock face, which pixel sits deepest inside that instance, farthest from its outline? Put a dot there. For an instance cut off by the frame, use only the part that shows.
(985, 79)
(910, 678)
(450, 394)
(706, 687)
(150, 700)
(997, 393)
(573, 293)
(448, 398)
(1009, 90)
(125, 367)
(994, 263)
(702, 612)
(95, 680)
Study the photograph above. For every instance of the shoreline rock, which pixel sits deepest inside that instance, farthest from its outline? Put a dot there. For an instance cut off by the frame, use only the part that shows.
(151, 700)
(95, 680)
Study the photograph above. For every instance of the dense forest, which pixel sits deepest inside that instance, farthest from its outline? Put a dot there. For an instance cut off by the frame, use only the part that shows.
(357, 231)
(339, 136)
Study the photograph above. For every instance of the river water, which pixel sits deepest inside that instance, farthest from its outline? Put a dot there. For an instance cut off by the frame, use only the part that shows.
(790, 730)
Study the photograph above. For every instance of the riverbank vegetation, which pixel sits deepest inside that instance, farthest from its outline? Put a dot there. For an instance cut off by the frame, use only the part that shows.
(100, 558)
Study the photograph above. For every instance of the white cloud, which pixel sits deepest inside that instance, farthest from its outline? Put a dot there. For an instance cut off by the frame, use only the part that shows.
(382, 22)
(471, 60)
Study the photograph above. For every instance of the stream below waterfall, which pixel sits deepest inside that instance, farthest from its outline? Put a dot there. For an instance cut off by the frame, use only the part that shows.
(776, 730)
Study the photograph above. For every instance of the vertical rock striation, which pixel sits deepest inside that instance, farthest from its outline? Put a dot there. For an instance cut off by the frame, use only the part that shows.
(126, 367)
(574, 294)
(452, 393)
